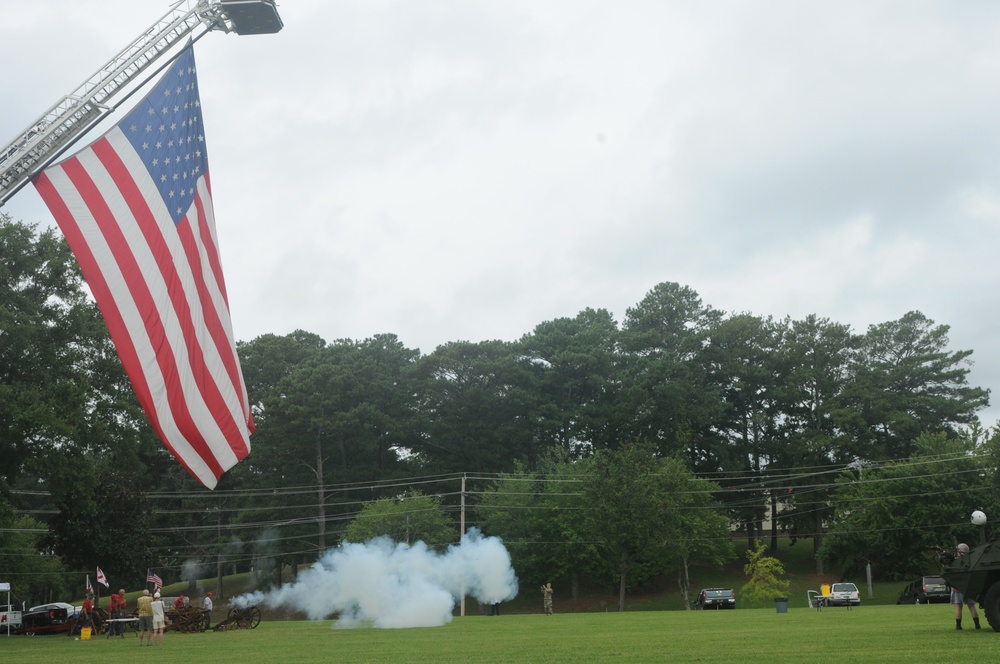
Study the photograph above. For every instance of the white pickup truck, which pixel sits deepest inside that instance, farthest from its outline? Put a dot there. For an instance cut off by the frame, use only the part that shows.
(10, 619)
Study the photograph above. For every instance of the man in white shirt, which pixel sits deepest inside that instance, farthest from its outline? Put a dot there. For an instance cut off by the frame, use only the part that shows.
(206, 609)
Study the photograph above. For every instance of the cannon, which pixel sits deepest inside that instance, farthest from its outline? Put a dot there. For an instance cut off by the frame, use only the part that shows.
(240, 618)
(186, 619)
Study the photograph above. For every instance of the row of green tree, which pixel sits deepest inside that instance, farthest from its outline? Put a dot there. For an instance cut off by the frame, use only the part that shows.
(735, 400)
(632, 519)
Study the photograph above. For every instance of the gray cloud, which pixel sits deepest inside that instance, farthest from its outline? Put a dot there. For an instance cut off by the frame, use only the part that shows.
(466, 170)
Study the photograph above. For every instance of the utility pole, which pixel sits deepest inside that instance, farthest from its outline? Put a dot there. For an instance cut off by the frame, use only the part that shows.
(218, 561)
(461, 536)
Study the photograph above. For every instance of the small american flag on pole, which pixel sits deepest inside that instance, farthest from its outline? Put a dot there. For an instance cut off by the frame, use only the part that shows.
(154, 579)
(136, 209)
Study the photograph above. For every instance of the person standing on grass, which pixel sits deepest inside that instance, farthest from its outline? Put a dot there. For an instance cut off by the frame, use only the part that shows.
(958, 599)
(159, 619)
(145, 604)
(206, 609)
(122, 611)
(87, 612)
(547, 599)
(112, 611)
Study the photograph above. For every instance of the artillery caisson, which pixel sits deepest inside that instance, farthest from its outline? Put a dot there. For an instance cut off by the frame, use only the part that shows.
(185, 619)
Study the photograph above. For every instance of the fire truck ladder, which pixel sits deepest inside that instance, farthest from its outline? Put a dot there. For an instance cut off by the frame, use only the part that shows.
(69, 119)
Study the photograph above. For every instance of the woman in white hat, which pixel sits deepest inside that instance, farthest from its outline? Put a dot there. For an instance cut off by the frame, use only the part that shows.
(159, 619)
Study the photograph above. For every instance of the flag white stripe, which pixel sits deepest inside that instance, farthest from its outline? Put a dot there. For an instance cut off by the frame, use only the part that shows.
(118, 285)
(155, 270)
(234, 394)
(222, 304)
(151, 275)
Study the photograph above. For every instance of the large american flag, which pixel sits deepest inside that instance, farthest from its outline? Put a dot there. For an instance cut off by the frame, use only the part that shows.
(136, 209)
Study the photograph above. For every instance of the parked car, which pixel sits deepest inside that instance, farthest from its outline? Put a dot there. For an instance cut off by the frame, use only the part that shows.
(51, 618)
(844, 594)
(925, 590)
(716, 598)
(10, 619)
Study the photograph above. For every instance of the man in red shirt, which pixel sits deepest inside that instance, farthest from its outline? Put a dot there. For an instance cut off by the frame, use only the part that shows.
(116, 610)
(86, 613)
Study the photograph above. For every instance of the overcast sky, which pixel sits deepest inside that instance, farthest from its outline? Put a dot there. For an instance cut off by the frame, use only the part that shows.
(466, 169)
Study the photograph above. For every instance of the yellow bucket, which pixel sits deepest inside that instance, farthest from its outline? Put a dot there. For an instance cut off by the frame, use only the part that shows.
(84, 633)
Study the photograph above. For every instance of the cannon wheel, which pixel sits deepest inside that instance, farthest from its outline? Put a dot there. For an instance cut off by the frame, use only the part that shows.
(100, 620)
(991, 606)
(247, 618)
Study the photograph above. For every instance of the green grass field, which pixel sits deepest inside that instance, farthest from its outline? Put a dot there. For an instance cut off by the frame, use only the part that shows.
(867, 634)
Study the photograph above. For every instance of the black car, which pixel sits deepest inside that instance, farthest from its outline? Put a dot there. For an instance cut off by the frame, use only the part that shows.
(51, 618)
(925, 590)
(716, 598)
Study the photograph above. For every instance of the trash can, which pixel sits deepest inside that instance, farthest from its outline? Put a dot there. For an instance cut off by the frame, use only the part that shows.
(781, 604)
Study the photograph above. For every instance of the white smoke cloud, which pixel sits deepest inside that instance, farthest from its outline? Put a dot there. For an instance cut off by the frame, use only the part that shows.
(391, 585)
(193, 570)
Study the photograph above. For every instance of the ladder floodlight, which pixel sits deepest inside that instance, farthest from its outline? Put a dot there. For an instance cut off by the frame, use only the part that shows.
(252, 17)
(72, 116)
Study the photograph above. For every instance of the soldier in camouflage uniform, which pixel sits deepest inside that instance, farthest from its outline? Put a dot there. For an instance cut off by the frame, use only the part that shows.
(547, 599)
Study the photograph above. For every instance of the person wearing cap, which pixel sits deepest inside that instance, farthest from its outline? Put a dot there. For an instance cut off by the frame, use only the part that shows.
(958, 599)
(121, 611)
(179, 602)
(145, 604)
(87, 612)
(206, 609)
(112, 613)
(159, 619)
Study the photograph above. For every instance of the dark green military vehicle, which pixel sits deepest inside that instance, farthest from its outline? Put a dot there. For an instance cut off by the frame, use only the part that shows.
(975, 572)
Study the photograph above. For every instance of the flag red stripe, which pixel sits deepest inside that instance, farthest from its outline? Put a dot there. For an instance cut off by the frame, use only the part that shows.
(226, 344)
(215, 327)
(185, 291)
(208, 239)
(210, 390)
(148, 304)
(99, 287)
(215, 404)
(142, 299)
(152, 306)
(136, 207)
